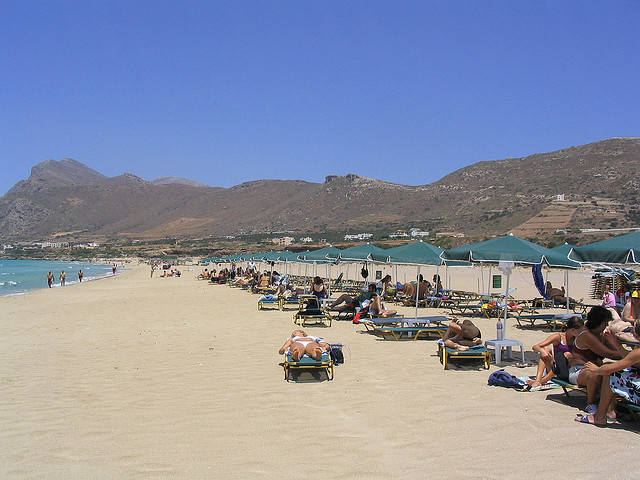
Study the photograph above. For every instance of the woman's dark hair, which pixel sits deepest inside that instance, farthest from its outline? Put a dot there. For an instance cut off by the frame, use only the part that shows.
(597, 316)
(317, 280)
(573, 323)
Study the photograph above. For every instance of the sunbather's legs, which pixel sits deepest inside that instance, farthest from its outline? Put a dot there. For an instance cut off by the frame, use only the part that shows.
(297, 351)
(592, 382)
(543, 364)
(344, 298)
(314, 350)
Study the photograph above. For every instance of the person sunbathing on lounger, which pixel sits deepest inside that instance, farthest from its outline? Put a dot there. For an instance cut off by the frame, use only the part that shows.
(553, 346)
(621, 378)
(300, 343)
(347, 302)
(558, 295)
(462, 335)
(376, 307)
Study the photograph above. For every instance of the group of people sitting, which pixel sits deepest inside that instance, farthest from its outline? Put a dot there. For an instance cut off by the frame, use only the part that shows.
(578, 353)
(424, 288)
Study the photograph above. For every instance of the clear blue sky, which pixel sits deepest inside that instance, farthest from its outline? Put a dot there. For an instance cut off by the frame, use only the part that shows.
(226, 92)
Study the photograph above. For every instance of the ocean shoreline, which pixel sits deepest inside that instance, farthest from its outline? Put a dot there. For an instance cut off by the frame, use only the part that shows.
(69, 283)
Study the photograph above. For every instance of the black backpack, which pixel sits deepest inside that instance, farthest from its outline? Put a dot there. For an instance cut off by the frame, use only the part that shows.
(335, 351)
(561, 367)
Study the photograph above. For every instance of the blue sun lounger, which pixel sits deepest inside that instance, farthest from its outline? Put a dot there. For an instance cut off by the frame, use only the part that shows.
(447, 354)
(413, 333)
(308, 363)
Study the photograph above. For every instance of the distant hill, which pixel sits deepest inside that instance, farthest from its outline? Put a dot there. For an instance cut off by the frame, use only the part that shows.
(518, 194)
(181, 181)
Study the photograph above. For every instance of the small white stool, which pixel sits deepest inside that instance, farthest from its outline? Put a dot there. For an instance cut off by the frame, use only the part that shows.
(498, 345)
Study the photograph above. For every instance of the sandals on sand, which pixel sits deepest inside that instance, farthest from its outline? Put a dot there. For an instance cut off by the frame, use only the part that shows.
(589, 419)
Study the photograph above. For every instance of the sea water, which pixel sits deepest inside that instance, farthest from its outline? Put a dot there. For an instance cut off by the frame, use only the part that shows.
(21, 276)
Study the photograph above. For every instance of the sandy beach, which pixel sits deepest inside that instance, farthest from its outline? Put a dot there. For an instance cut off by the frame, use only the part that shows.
(138, 377)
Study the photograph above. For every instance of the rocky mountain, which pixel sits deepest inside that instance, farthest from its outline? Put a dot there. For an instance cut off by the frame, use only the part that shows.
(67, 198)
(178, 180)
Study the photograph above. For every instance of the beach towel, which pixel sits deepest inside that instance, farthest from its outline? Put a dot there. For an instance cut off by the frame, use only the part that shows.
(546, 386)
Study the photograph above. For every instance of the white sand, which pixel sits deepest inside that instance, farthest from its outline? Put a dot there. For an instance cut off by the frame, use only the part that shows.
(132, 377)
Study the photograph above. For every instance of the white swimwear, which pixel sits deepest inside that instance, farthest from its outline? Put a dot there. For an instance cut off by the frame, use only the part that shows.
(305, 342)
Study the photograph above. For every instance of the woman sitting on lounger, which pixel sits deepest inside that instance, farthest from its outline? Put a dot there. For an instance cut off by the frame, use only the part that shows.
(591, 345)
(621, 378)
(376, 307)
(553, 346)
(299, 344)
(462, 335)
(318, 288)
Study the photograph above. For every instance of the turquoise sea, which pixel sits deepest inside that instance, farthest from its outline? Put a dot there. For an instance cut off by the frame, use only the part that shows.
(21, 276)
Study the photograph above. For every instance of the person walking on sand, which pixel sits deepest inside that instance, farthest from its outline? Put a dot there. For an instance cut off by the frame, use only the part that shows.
(50, 278)
(63, 278)
(80, 275)
(153, 267)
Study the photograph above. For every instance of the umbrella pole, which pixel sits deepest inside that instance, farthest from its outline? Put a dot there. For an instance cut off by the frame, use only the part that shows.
(566, 283)
(417, 290)
(329, 276)
(506, 296)
(482, 278)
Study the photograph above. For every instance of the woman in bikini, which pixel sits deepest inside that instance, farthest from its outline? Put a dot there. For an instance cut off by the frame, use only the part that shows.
(551, 347)
(300, 343)
(621, 378)
(591, 345)
(376, 307)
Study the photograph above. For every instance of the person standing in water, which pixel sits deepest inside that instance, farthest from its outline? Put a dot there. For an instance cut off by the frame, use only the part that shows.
(63, 278)
(80, 275)
(113, 269)
(50, 278)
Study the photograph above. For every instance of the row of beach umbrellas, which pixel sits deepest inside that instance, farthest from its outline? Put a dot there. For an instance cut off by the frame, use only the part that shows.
(622, 250)
(507, 252)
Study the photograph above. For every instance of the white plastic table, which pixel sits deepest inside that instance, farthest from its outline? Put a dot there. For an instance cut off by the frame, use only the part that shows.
(498, 345)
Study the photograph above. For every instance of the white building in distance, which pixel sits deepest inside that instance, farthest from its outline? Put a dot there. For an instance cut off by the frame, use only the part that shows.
(358, 236)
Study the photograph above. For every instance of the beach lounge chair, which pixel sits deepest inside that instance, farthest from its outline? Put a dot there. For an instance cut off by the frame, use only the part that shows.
(308, 363)
(413, 333)
(288, 302)
(552, 320)
(309, 312)
(631, 408)
(447, 354)
(268, 301)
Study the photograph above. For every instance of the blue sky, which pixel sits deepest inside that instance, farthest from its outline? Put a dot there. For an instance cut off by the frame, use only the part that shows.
(226, 92)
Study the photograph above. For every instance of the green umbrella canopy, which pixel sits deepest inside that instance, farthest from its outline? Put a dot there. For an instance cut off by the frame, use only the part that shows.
(320, 255)
(563, 249)
(358, 253)
(418, 253)
(287, 256)
(509, 249)
(619, 250)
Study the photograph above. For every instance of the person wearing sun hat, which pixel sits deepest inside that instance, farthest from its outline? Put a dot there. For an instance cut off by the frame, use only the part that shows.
(631, 311)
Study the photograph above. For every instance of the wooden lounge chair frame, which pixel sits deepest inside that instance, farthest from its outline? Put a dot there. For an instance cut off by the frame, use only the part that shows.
(307, 363)
(447, 354)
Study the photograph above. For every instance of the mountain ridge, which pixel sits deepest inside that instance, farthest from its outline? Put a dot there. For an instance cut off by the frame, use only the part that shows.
(487, 197)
